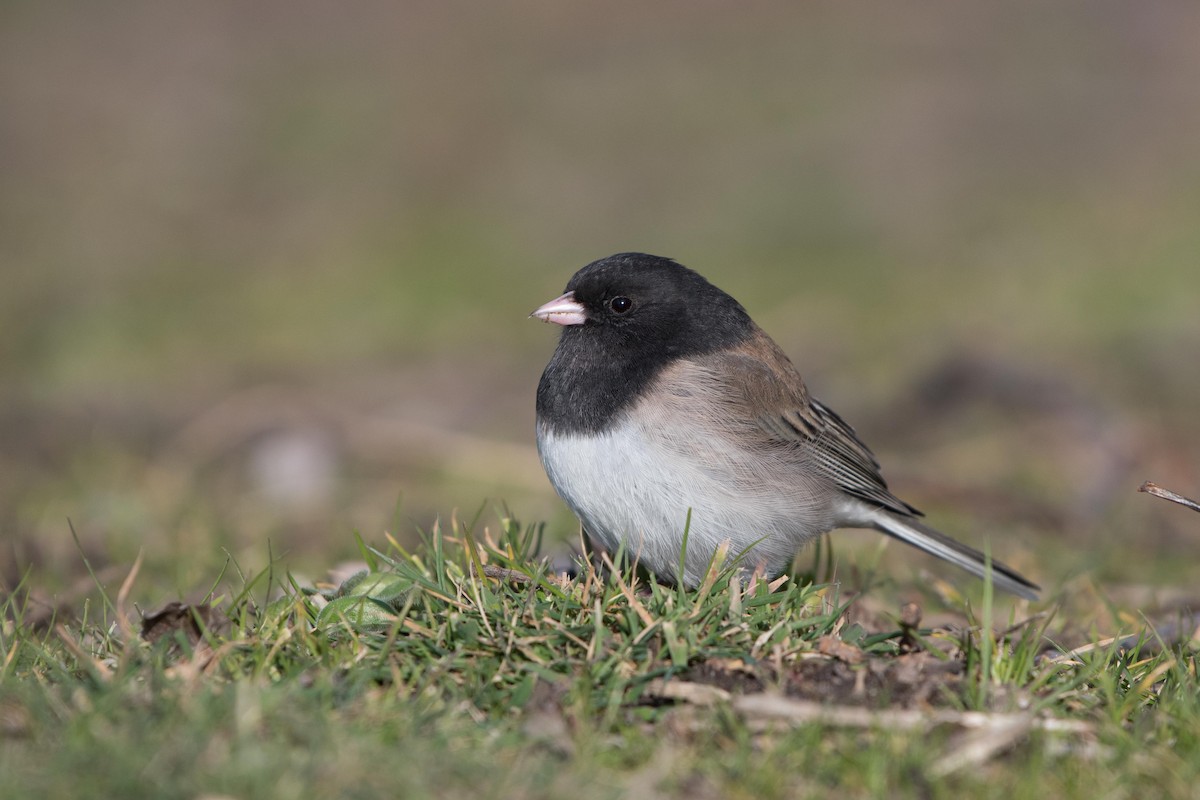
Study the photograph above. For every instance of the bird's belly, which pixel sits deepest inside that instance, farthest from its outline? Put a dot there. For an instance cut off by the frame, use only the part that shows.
(635, 485)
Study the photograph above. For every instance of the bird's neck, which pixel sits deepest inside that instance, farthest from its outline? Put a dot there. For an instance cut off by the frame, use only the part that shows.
(585, 388)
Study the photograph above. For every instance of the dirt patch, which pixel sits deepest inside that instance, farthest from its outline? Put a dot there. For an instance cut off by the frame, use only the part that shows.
(914, 680)
(907, 681)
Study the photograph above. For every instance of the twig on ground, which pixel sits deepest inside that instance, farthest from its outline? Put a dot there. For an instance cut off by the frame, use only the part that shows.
(1167, 494)
(765, 706)
(697, 694)
(990, 734)
(980, 746)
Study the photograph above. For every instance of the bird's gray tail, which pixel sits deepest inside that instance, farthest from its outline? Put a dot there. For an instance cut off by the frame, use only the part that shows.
(936, 543)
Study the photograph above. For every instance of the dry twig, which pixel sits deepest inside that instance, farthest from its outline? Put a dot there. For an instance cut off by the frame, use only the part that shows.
(1167, 494)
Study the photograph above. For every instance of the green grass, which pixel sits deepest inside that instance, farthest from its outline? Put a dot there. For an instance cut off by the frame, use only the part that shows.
(465, 668)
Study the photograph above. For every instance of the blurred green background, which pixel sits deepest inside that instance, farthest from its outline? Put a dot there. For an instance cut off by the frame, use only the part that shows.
(266, 267)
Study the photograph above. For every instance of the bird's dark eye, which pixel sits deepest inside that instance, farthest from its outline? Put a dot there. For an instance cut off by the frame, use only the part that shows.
(620, 304)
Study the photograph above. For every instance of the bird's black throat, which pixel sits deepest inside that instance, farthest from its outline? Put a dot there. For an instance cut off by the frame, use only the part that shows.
(584, 388)
(602, 367)
(595, 374)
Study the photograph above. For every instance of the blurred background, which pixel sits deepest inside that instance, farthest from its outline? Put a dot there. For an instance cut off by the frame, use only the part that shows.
(266, 267)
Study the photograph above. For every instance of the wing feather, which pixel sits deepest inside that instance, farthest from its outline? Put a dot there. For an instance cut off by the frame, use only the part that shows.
(761, 379)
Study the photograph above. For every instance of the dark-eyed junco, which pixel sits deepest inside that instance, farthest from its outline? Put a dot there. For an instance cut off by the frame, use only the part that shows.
(664, 399)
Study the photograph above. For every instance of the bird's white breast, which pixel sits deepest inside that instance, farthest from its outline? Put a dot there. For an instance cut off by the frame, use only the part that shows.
(635, 484)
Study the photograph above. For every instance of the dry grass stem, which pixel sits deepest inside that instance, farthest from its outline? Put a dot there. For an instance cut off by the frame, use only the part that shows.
(1167, 494)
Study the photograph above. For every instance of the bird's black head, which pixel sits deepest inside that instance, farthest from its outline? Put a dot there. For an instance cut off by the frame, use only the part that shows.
(629, 316)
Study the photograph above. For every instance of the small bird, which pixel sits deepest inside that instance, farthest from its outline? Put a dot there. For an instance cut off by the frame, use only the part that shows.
(665, 408)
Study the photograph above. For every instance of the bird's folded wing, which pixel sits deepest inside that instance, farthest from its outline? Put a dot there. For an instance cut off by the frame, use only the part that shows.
(767, 383)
